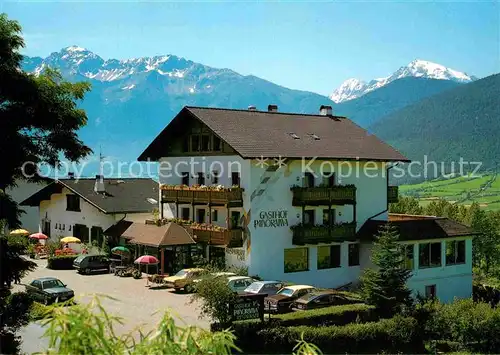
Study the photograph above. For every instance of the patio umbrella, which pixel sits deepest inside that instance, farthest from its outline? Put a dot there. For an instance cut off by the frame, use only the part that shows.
(19, 232)
(120, 250)
(146, 260)
(70, 240)
(38, 236)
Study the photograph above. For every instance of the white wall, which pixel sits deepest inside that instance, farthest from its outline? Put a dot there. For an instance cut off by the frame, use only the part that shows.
(55, 211)
(235, 257)
(450, 280)
(268, 244)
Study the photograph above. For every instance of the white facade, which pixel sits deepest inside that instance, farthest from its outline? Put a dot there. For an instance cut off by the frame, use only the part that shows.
(264, 248)
(62, 221)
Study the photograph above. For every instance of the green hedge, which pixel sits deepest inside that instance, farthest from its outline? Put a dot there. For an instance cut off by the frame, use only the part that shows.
(39, 311)
(335, 315)
(398, 334)
(62, 262)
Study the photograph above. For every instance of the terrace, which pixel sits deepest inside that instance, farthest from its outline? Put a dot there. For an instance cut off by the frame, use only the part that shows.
(333, 195)
(202, 195)
(314, 234)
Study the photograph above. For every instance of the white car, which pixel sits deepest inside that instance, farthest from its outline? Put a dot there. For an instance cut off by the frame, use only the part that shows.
(239, 283)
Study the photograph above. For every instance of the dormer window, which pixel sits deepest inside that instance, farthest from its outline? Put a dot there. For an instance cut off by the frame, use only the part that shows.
(314, 136)
(294, 136)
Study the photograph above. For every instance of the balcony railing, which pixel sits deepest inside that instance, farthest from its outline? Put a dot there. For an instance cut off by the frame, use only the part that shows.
(172, 194)
(304, 234)
(392, 194)
(340, 194)
(230, 237)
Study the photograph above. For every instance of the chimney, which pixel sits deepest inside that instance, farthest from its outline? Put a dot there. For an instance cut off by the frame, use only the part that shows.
(325, 110)
(272, 108)
(99, 184)
(252, 108)
(71, 175)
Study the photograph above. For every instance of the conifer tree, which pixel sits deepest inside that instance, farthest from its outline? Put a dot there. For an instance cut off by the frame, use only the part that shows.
(384, 286)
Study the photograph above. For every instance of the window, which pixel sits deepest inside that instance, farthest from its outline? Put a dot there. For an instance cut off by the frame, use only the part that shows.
(308, 180)
(185, 213)
(217, 144)
(354, 254)
(235, 178)
(37, 284)
(407, 250)
(328, 217)
(429, 255)
(430, 291)
(329, 179)
(97, 235)
(296, 259)
(195, 143)
(72, 203)
(205, 143)
(185, 145)
(455, 252)
(308, 217)
(215, 177)
(185, 178)
(328, 257)
(215, 215)
(200, 215)
(201, 179)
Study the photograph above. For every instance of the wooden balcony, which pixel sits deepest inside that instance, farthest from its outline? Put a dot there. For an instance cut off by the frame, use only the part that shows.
(230, 197)
(392, 194)
(303, 234)
(315, 196)
(230, 237)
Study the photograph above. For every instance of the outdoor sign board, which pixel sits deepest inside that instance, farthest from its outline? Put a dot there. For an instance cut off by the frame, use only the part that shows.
(248, 307)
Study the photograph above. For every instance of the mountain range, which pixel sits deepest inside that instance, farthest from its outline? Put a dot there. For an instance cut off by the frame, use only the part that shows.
(132, 100)
(354, 88)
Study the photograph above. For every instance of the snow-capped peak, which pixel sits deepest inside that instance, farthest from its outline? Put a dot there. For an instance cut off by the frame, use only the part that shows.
(75, 49)
(354, 88)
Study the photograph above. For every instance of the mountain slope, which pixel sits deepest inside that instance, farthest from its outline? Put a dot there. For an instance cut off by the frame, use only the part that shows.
(354, 88)
(369, 108)
(460, 123)
(132, 100)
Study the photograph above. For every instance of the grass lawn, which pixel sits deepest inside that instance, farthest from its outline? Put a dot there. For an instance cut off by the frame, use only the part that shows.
(457, 189)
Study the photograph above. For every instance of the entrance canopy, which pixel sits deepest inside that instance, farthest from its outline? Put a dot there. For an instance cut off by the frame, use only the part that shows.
(151, 235)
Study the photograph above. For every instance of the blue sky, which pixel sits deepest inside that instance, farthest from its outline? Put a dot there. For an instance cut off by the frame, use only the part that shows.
(308, 46)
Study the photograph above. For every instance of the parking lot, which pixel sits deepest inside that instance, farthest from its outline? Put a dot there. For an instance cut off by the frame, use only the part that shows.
(137, 304)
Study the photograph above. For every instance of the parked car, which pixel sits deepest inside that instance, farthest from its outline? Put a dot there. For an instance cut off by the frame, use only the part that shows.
(191, 287)
(283, 299)
(268, 287)
(49, 290)
(184, 279)
(239, 283)
(318, 299)
(86, 264)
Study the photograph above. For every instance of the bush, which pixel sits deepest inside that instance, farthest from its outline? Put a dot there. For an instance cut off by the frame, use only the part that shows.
(39, 311)
(473, 325)
(62, 262)
(397, 334)
(215, 295)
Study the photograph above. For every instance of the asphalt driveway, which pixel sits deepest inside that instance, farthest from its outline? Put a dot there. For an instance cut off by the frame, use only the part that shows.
(137, 304)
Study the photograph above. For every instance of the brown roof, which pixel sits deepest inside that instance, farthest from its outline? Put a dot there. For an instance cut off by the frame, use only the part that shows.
(254, 134)
(122, 195)
(117, 229)
(152, 235)
(418, 228)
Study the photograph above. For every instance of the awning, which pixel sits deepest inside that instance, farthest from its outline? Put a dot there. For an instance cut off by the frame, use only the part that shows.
(169, 234)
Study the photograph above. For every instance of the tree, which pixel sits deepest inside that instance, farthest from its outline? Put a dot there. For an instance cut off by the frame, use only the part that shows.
(407, 205)
(385, 285)
(39, 120)
(215, 296)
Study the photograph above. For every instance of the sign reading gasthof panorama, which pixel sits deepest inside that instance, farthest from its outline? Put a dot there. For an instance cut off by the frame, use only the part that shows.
(272, 219)
(246, 309)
